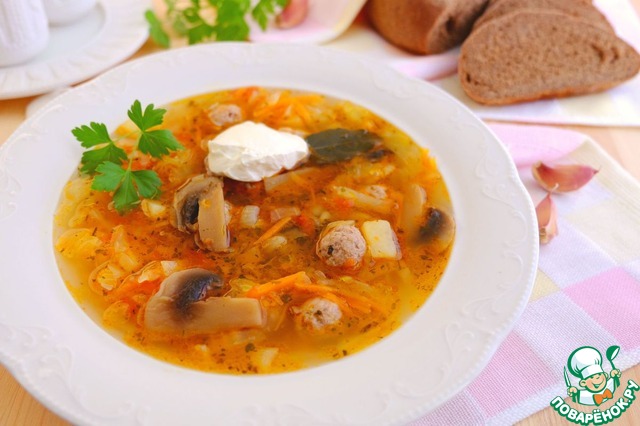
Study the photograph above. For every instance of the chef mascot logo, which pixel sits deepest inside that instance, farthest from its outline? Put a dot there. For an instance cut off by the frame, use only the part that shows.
(596, 387)
(585, 363)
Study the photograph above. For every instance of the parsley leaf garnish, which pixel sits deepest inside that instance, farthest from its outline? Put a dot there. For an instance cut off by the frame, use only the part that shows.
(96, 136)
(109, 177)
(147, 119)
(230, 23)
(264, 8)
(153, 142)
(158, 143)
(125, 198)
(128, 186)
(156, 32)
(92, 159)
(92, 135)
(104, 157)
(148, 183)
(199, 33)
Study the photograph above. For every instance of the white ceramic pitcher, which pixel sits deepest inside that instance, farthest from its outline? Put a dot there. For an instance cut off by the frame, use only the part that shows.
(62, 12)
(24, 30)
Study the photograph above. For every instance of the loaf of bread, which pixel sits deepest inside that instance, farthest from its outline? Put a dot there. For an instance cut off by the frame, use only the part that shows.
(535, 54)
(582, 9)
(424, 26)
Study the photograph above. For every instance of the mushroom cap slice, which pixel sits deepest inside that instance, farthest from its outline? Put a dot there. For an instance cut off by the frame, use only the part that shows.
(184, 214)
(198, 205)
(437, 231)
(213, 233)
(414, 207)
(181, 306)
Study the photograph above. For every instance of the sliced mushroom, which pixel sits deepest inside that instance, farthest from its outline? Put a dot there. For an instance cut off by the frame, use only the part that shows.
(437, 230)
(423, 223)
(190, 301)
(414, 207)
(198, 205)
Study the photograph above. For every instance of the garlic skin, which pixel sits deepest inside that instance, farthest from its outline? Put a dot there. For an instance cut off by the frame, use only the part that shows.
(562, 178)
(547, 219)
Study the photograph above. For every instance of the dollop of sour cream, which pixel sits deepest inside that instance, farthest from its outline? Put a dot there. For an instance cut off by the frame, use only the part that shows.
(250, 152)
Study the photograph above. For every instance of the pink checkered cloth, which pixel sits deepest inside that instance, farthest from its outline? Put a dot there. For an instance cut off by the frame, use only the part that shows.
(587, 291)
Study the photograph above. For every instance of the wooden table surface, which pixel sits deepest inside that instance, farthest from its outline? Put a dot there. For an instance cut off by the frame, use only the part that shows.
(18, 408)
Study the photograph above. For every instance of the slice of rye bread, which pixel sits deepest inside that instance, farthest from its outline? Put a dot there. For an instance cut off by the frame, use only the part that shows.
(531, 55)
(493, 2)
(582, 9)
(424, 26)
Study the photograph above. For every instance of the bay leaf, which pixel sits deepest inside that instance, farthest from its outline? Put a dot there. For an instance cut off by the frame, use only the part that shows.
(334, 145)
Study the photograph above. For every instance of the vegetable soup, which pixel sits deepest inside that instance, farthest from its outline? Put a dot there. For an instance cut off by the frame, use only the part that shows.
(252, 230)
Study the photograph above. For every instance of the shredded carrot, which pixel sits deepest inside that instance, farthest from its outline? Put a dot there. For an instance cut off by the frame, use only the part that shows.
(303, 113)
(267, 288)
(198, 136)
(305, 223)
(341, 203)
(344, 306)
(310, 99)
(301, 282)
(280, 284)
(132, 287)
(275, 111)
(359, 303)
(245, 92)
(356, 301)
(314, 288)
(350, 263)
(273, 230)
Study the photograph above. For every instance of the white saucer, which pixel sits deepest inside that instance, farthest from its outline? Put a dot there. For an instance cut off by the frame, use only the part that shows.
(111, 32)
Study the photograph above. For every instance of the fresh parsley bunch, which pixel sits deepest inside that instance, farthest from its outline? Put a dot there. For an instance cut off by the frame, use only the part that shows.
(190, 19)
(104, 159)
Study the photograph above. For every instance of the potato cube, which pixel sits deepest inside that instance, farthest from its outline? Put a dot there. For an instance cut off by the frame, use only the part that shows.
(381, 240)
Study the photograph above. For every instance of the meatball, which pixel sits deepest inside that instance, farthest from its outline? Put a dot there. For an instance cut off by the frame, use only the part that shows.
(222, 114)
(317, 313)
(341, 244)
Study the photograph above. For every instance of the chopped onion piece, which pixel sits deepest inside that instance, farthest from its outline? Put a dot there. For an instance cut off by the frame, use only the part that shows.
(274, 183)
(249, 216)
(283, 212)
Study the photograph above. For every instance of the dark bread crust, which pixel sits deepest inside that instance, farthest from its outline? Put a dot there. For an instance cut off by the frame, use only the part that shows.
(582, 9)
(424, 26)
(537, 54)
(493, 2)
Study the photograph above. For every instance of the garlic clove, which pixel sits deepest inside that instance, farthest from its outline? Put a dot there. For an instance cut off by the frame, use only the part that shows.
(562, 178)
(547, 219)
(293, 14)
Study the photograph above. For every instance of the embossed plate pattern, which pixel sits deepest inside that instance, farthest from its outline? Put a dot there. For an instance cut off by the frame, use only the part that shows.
(88, 377)
(111, 32)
